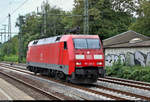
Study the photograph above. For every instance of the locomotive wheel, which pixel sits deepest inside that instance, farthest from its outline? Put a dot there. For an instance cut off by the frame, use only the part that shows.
(60, 75)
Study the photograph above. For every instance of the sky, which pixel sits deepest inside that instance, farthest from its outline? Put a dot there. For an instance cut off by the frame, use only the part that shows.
(9, 6)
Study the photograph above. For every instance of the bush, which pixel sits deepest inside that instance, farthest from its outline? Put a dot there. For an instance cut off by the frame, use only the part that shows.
(11, 58)
(134, 73)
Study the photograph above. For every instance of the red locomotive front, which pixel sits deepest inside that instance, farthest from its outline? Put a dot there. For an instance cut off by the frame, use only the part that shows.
(76, 58)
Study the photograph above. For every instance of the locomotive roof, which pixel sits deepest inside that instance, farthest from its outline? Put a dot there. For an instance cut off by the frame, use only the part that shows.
(44, 41)
(58, 38)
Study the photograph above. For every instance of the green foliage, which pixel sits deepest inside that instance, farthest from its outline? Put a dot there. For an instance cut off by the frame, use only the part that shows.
(134, 73)
(9, 48)
(11, 58)
(142, 24)
(24, 60)
(106, 17)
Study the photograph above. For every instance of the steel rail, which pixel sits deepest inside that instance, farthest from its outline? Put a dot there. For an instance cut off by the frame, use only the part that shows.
(114, 90)
(22, 70)
(87, 89)
(48, 94)
(125, 84)
(99, 86)
(72, 85)
(128, 81)
(123, 92)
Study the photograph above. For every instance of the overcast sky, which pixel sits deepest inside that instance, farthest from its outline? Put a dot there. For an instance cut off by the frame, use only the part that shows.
(8, 6)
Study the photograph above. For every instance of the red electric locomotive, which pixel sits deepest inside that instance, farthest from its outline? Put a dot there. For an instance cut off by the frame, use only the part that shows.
(75, 58)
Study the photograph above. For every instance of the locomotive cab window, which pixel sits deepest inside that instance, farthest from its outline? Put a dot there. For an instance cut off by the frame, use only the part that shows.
(87, 43)
(65, 45)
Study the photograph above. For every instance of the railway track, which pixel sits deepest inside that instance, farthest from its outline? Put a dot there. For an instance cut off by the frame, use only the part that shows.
(119, 80)
(109, 78)
(123, 92)
(93, 91)
(135, 85)
(129, 81)
(19, 66)
(107, 89)
(49, 95)
(13, 63)
(69, 84)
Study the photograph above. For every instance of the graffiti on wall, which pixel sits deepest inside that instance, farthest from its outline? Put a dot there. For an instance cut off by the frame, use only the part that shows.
(148, 59)
(112, 58)
(137, 58)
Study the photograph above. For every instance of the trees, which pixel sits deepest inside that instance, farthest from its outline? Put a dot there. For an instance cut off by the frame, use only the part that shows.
(142, 24)
(107, 17)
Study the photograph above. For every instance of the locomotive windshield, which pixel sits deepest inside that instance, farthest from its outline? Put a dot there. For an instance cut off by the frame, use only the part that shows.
(86, 43)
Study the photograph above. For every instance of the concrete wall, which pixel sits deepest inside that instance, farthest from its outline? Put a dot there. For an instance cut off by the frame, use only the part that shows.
(133, 56)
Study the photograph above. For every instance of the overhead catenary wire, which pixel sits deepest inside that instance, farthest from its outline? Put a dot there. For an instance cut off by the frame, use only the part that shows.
(22, 4)
(19, 7)
(9, 20)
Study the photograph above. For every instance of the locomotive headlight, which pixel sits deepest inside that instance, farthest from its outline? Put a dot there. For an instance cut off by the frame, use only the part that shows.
(78, 63)
(79, 57)
(98, 57)
(99, 63)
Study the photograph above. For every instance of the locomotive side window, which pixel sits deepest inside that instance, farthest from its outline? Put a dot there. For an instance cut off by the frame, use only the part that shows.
(86, 43)
(65, 45)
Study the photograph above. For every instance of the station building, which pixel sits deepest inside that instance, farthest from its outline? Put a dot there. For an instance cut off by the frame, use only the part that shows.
(132, 48)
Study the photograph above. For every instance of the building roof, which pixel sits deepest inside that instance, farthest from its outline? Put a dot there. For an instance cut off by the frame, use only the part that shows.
(127, 39)
(128, 45)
